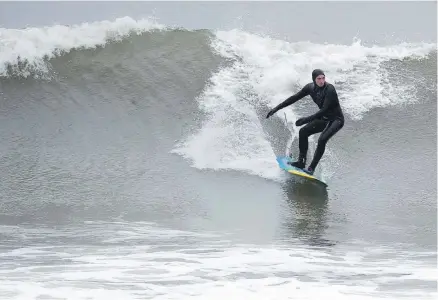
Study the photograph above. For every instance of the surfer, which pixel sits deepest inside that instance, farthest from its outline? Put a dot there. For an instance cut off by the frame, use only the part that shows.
(328, 120)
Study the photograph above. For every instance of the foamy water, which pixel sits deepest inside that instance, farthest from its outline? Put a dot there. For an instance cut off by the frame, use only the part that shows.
(267, 71)
(144, 261)
(36, 45)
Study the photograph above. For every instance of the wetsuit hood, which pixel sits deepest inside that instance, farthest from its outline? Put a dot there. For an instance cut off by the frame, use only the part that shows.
(316, 73)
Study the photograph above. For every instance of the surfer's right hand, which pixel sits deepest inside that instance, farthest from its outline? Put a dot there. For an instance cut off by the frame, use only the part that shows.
(270, 113)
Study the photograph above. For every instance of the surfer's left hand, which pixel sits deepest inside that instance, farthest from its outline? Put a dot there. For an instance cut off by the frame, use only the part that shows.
(301, 121)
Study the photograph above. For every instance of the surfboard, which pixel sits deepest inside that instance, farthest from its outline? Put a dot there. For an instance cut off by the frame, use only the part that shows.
(283, 163)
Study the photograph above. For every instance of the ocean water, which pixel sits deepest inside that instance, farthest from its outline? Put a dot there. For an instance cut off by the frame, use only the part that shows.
(137, 163)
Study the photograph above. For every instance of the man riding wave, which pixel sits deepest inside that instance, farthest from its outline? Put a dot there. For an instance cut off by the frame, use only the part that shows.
(328, 120)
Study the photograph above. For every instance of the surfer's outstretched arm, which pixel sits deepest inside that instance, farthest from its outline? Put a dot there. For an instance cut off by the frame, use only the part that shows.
(291, 100)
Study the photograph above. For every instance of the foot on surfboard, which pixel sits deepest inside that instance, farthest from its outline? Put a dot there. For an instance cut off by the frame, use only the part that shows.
(300, 163)
(309, 170)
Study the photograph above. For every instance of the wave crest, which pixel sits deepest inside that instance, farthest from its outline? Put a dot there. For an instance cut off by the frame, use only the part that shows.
(24, 52)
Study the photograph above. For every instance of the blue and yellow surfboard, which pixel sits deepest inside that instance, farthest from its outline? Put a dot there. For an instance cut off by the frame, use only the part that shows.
(283, 163)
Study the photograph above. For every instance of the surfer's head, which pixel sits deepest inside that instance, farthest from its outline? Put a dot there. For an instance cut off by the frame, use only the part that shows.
(318, 77)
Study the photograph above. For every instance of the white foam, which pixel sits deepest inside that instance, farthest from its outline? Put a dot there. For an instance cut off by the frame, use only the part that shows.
(232, 138)
(275, 66)
(202, 266)
(272, 70)
(35, 44)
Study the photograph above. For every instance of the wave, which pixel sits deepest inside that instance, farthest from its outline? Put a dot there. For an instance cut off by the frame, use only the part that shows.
(24, 51)
(264, 72)
(259, 73)
(210, 271)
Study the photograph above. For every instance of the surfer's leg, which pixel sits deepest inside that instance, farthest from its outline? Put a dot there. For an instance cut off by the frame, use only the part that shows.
(332, 128)
(309, 129)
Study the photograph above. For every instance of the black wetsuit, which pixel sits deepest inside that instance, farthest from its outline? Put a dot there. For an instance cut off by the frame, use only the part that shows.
(325, 97)
(328, 120)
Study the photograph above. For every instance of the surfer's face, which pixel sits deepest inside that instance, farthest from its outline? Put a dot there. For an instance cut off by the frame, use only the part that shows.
(320, 80)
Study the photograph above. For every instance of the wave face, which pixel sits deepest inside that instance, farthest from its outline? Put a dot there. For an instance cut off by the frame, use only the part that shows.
(136, 155)
(264, 72)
